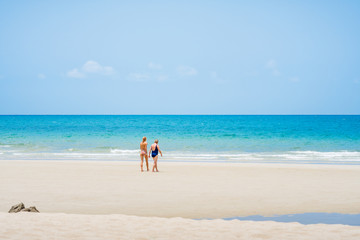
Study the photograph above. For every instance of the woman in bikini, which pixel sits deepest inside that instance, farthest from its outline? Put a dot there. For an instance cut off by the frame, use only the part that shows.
(154, 150)
(143, 153)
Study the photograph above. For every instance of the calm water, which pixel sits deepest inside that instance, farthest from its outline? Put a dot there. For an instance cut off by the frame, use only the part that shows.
(308, 218)
(298, 139)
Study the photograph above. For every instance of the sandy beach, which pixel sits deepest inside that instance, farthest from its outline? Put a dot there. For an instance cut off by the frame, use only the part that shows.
(76, 226)
(101, 192)
(191, 190)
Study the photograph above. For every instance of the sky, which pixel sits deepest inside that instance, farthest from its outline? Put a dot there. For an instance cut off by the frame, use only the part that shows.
(179, 57)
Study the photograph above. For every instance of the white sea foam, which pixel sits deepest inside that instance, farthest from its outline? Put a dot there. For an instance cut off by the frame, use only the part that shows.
(80, 154)
(122, 151)
(293, 156)
(22, 154)
(133, 155)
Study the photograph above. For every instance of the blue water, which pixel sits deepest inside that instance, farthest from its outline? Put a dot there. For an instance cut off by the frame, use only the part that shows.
(308, 218)
(299, 139)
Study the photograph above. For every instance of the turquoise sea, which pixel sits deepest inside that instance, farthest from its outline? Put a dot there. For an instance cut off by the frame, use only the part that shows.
(201, 138)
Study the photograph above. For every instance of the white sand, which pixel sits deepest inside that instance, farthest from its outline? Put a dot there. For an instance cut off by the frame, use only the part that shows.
(71, 226)
(188, 190)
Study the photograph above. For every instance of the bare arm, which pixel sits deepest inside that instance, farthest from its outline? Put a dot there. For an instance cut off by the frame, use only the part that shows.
(159, 150)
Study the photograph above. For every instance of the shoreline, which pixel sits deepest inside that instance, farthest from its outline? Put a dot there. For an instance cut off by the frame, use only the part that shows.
(199, 163)
(343, 157)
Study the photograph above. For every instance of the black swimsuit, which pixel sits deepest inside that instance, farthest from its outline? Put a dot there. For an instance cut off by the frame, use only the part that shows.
(155, 152)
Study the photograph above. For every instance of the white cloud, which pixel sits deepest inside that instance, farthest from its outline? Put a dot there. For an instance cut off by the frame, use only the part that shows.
(155, 66)
(272, 65)
(149, 75)
(186, 71)
(94, 67)
(144, 77)
(41, 76)
(75, 73)
(90, 67)
(139, 77)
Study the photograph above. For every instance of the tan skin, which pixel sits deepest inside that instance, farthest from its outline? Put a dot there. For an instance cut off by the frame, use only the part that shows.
(143, 154)
(152, 148)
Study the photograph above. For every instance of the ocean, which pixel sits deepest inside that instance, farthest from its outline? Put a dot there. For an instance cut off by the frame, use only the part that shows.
(309, 139)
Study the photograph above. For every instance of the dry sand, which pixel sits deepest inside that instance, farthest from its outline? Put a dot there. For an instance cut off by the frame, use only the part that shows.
(71, 226)
(191, 190)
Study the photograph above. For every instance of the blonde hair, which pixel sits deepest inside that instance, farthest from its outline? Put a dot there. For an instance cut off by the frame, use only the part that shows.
(157, 141)
(144, 139)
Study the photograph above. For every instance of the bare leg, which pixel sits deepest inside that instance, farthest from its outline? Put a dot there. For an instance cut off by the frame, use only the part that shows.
(142, 161)
(147, 162)
(155, 162)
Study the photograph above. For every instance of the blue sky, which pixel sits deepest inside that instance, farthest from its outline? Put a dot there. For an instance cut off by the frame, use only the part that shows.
(179, 57)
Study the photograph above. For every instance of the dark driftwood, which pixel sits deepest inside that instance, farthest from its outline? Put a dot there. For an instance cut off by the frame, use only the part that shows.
(30, 209)
(21, 208)
(17, 208)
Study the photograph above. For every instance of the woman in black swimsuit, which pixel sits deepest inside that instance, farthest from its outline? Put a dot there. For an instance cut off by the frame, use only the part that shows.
(154, 150)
